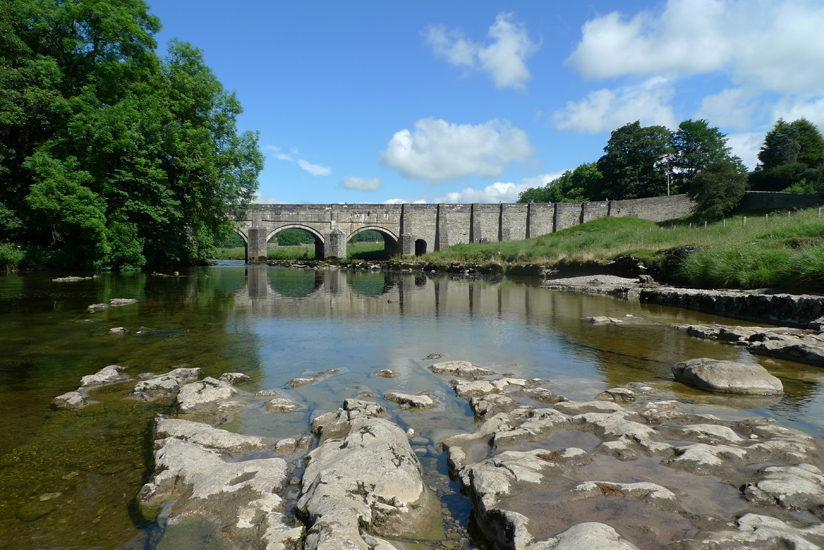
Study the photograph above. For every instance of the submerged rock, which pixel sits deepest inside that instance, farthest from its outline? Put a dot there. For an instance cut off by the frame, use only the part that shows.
(385, 373)
(72, 401)
(234, 377)
(312, 378)
(281, 405)
(727, 377)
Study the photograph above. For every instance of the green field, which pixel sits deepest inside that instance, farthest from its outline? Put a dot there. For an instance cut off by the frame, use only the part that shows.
(769, 250)
(363, 251)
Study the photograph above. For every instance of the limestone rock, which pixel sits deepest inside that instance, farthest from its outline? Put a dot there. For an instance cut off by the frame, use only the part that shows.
(601, 320)
(119, 330)
(588, 536)
(94, 308)
(463, 369)
(106, 375)
(419, 402)
(242, 498)
(727, 377)
(794, 487)
(204, 395)
(312, 378)
(208, 437)
(118, 302)
(265, 393)
(164, 385)
(338, 423)
(234, 377)
(759, 531)
(385, 373)
(370, 480)
(72, 401)
(281, 405)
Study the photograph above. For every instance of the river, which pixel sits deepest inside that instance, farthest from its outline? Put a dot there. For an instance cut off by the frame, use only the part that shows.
(69, 479)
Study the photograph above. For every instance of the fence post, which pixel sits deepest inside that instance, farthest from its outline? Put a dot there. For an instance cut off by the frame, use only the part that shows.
(744, 220)
(724, 222)
(705, 224)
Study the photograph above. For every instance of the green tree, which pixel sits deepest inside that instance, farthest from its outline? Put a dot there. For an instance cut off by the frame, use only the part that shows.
(90, 115)
(811, 144)
(695, 145)
(572, 186)
(719, 188)
(635, 163)
(780, 146)
(535, 194)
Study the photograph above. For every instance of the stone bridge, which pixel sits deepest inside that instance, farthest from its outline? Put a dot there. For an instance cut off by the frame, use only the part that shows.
(415, 229)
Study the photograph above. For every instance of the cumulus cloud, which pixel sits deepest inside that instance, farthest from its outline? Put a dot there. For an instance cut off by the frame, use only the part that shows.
(497, 192)
(314, 169)
(769, 46)
(361, 184)
(793, 108)
(732, 107)
(608, 109)
(503, 57)
(438, 150)
(267, 199)
(746, 145)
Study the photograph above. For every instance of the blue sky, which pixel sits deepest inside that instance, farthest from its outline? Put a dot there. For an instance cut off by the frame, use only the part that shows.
(472, 101)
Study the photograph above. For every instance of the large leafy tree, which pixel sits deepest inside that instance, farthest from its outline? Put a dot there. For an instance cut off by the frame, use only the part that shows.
(791, 158)
(719, 188)
(780, 146)
(572, 186)
(695, 146)
(635, 162)
(115, 157)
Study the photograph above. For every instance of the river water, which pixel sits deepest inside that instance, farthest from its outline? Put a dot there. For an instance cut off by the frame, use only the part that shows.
(69, 479)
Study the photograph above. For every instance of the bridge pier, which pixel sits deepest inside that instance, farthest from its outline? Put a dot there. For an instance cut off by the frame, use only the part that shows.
(256, 245)
(334, 245)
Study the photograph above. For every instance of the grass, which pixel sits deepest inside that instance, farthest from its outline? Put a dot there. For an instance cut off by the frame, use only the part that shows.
(782, 250)
(10, 256)
(363, 251)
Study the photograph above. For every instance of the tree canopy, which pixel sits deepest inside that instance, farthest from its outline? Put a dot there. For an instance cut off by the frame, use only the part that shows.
(635, 162)
(111, 156)
(791, 158)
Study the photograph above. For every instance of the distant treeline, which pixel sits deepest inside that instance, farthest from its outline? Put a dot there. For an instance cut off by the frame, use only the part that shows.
(649, 161)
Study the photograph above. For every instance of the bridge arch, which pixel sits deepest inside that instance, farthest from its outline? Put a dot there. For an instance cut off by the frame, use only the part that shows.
(319, 242)
(390, 239)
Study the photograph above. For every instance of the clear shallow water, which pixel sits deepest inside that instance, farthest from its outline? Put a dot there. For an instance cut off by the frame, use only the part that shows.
(276, 324)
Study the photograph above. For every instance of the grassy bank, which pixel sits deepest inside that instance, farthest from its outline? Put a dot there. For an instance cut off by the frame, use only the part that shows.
(778, 250)
(363, 251)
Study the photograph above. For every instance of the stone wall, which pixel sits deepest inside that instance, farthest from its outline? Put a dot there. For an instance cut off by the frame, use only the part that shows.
(767, 200)
(657, 209)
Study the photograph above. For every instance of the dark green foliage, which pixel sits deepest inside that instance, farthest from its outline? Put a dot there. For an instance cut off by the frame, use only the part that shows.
(791, 159)
(572, 186)
(114, 158)
(634, 165)
(232, 241)
(780, 146)
(719, 188)
(695, 146)
(294, 237)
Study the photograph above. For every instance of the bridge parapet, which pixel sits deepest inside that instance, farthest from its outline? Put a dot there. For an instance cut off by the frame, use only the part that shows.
(414, 229)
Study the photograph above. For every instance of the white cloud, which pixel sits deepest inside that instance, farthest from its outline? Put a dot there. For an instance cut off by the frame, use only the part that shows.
(439, 150)
(497, 192)
(504, 57)
(274, 149)
(732, 107)
(606, 109)
(267, 199)
(361, 184)
(763, 45)
(746, 145)
(314, 169)
(403, 201)
(794, 108)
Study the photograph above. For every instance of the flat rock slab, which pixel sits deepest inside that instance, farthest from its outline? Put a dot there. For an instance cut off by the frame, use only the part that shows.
(367, 483)
(311, 378)
(234, 378)
(243, 499)
(462, 369)
(385, 373)
(164, 385)
(72, 401)
(419, 402)
(727, 377)
(204, 395)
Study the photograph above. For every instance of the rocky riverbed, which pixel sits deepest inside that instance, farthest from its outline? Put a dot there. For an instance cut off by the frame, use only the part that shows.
(625, 471)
